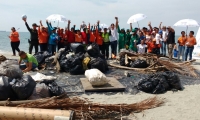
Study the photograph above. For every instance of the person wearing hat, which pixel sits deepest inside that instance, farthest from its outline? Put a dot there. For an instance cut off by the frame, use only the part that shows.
(33, 42)
(30, 61)
(134, 40)
(122, 39)
(53, 38)
(14, 40)
(106, 43)
(43, 37)
(163, 40)
(113, 38)
(170, 41)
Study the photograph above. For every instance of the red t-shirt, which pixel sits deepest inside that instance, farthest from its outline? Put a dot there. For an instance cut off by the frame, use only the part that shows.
(71, 37)
(84, 37)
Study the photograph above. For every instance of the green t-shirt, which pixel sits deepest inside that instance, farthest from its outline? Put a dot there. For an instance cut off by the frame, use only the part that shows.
(105, 37)
(30, 59)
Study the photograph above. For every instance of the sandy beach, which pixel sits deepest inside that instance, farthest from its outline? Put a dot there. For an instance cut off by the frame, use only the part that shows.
(180, 105)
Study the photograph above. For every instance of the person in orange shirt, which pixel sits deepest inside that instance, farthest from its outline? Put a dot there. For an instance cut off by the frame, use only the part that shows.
(78, 37)
(151, 46)
(99, 38)
(14, 40)
(61, 35)
(92, 34)
(190, 42)
(43, 37)
(181, 47)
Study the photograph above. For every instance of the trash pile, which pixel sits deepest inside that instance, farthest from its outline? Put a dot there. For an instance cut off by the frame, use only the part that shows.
(77, 59)
(152, 63)
(17, 86)
(160, 83)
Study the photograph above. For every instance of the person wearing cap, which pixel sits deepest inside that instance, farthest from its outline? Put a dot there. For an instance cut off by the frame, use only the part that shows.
(122, 39)
(53, 38)
(134, 40)
(170, 41)
(106, 43)
(163, 40)
(190, 42)
(113, 38)
(181, 46)
(33, 42)
(14, 40)
(43, 37)
(31, 62)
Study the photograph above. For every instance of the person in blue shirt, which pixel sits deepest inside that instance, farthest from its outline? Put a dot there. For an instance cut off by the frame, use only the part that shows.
(53, 38)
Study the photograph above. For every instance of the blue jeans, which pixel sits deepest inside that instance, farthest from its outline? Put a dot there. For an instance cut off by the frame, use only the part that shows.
(23, 66)
(181, 52)
(114, 47)
(52, 49)
(189, 51)
(163, 48)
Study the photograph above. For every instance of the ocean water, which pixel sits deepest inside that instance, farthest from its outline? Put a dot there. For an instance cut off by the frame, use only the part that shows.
(24, 36)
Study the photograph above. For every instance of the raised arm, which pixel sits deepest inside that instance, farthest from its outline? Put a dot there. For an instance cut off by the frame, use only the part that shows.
(89, 28)
(131, 28)
(118, 29)
(116, 18)
(149, 24)
(41, 23)
(27, 26)
(160, 25)
(68, 25)
(49, 27)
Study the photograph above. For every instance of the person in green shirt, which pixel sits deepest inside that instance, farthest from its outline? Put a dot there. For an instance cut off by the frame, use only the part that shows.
(128, 38)
(122, 38)
(134, 40)
(106, 43)
(30, 61)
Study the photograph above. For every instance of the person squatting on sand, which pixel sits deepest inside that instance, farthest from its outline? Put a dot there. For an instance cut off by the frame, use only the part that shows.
(29, 60)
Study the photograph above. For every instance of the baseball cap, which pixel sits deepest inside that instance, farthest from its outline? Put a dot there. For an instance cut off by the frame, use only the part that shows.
(34, 24)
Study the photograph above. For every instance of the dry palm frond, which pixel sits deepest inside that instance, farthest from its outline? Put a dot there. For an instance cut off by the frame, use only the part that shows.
(87, 109)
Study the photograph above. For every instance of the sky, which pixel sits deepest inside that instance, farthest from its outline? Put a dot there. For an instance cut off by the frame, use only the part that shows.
(166, 11)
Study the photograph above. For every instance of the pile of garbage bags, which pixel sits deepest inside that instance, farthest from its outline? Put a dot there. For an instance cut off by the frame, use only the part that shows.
(41, 56)
(77, 59)
(160, 83)
(17, 86)
(139, 63)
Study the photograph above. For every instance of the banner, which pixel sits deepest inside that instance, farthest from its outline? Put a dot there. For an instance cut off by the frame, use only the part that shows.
(196, 51)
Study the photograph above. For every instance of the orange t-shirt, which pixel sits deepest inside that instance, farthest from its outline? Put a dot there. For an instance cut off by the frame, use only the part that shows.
(92, 37)
(182, 40)
(14, 36)
(191, 41)
(99, 38)
(150, 46)
(43, 36)
(78, 38)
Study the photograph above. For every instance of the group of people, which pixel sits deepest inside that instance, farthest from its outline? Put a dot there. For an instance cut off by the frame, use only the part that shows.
(155, 40)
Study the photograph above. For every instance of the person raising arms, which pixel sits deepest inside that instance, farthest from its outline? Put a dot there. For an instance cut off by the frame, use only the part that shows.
(43, 37)
(122, 38)
(34, 36)
(99, 38)
(14, 40)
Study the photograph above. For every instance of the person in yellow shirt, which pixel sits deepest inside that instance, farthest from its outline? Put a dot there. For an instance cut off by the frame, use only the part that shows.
(190, 42)
(181, 45)
(14, 40)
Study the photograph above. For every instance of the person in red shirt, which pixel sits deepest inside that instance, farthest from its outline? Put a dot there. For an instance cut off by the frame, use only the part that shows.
(92, 34)
(151, 46)
(14, 40)
(61, 35)
(99, 38)
(70, 33)
(84, 36)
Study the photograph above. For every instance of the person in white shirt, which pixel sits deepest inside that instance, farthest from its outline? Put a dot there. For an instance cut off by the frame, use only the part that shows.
(141, 47)
(113, 38)
(164, 38)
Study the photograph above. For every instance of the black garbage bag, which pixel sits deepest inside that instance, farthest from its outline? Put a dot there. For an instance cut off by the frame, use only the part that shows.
(98, 63)
(93, 50)
(122, 61)
(41, 56)
(173, 80)
(77, 70)
(13, 71)
(6, 89)
(24, 87)
(139, 64)
(154, 84)
(77, 47)
(53, 87)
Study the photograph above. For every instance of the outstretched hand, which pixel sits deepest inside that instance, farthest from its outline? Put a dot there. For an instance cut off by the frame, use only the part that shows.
(149, 23)
(24, 19)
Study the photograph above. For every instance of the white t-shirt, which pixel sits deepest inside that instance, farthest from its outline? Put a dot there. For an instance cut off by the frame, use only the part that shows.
(141, 48)
(157, 38)
(114, 35)
(164, 35)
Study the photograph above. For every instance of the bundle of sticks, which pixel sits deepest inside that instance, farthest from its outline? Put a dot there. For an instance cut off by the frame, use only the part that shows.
(86, 109)
(156, 64)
